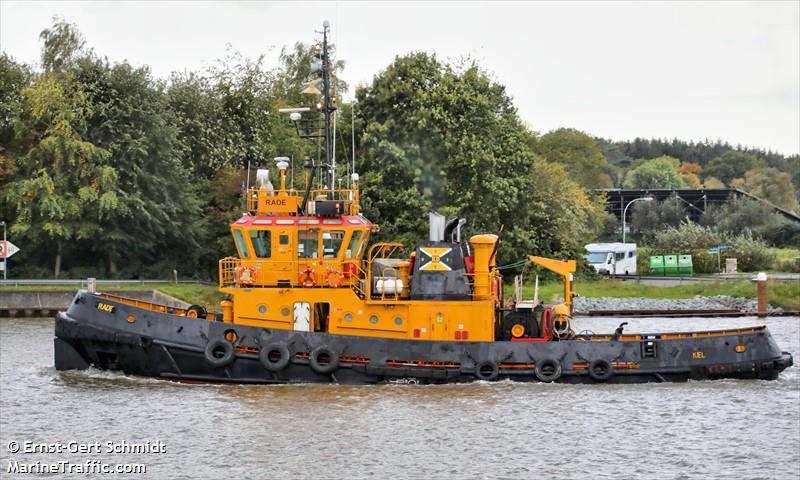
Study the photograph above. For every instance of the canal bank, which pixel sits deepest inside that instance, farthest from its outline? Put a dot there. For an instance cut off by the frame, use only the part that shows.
(45, 303)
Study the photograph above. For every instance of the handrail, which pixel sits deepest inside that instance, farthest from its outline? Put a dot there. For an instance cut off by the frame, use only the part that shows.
(229, 269)
(348, 195)
(84, 282)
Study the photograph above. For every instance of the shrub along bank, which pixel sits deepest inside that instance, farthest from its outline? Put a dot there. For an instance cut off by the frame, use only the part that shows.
(751, 253)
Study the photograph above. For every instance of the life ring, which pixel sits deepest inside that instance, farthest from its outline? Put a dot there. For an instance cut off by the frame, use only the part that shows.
(487, 370)
(547, 323)
(308, 277)
(323, 360)
(219, 353)
(601, 370)
(548, 370)
(196, 311)
(275, 357)
(246, 275)
(334, 277)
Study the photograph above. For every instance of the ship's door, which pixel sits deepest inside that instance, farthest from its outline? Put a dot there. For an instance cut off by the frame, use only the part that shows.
(302, 316)
(438, 325)
(308, 253)
(283, 256)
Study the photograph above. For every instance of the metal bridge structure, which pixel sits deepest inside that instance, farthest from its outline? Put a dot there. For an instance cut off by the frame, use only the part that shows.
(696, 200)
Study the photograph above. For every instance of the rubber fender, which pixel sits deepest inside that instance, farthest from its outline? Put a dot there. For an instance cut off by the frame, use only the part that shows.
(213, 350)
(600, 370)
(267, 357)
(548, 370)
(487, 370)
(323, 368)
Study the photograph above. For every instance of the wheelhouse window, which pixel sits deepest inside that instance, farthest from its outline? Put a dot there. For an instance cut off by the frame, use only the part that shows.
(262, 242)
(352, 247)
(307, 244)
(331, 243)
(240, 245)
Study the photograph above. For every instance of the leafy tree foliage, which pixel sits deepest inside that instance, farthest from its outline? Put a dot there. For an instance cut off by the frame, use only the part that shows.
(732, 165)
(579, 153)
(740, 214)
(770, 184)
(446, 137)
(656, 173)
(65, 186)
(651, 217)
(105, 170)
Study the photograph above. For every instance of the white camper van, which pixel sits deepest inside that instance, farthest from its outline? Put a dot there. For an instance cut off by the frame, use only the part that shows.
(612, 258)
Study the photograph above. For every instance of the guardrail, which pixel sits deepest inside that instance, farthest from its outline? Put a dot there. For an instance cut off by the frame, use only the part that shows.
(780, 277)
(82, 283)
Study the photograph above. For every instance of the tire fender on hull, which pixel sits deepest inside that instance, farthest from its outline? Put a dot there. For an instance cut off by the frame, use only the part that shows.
(219, 353)
(548, 370)
(487, 370)
(275, 357)
(600, 370)
(323, 360)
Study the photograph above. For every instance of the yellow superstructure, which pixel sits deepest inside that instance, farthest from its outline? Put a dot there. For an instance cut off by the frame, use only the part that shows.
(314, 272)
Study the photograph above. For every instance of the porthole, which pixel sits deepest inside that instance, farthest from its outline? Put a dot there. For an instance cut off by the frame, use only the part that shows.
(230, 335)
(262, 309)
(398, 321)
(373, 319)
(285, 311)
(348, 317)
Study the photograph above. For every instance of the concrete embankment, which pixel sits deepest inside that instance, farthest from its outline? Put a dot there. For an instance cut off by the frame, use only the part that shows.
(712, 304)
(30, 303)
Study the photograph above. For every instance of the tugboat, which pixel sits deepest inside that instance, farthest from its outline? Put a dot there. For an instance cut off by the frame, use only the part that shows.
(309, 299)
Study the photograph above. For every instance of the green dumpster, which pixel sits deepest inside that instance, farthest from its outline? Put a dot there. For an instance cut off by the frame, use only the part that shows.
(657, 265)
(685, 265)
(671, 265)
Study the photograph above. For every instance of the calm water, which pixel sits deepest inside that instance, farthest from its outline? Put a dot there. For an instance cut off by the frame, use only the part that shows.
(720, 429)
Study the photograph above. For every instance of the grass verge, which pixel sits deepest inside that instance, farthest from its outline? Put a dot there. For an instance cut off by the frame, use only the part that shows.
(195, 293)
(781, 294)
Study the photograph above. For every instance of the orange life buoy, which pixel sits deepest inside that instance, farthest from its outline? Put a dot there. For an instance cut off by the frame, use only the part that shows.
(334, 277)
(547, 322)
(246, 275)
(308, 277)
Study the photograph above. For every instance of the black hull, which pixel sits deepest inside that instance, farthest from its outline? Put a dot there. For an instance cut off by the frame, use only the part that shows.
(188, 349)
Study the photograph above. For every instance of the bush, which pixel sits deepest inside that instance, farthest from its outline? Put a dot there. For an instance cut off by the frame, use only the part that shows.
(751, 252)
(783, 233)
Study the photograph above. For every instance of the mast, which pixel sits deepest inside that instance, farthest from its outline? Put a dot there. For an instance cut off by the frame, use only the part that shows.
(321, 66)
(327, 108)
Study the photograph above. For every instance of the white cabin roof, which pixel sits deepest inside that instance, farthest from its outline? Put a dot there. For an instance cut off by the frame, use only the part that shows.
(610, 247)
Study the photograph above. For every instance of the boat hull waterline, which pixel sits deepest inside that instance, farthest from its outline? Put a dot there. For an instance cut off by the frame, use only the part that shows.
(142, 342)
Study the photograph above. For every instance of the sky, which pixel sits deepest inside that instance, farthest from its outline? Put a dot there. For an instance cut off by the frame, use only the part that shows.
(619, 70)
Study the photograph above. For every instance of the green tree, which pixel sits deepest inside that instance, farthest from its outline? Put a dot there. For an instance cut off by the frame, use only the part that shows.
(732, 165)
(133, 122)
(580, 154)
(650, 217)
(64, 188)
(447, 137)
(63, 46)
(770, 184)
(740, 214)
(656, 173)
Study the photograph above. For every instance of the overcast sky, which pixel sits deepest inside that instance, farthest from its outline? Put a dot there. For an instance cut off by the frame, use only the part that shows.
(714, 70)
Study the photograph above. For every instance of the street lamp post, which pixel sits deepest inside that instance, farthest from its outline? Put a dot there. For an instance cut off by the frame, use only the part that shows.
(625, 212)
(5, 251)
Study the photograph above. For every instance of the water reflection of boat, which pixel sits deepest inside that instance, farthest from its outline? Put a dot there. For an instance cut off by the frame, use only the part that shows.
(312, 301)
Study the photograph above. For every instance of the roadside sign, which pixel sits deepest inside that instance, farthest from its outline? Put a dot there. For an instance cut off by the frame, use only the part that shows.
(7, 249)
(716, 250)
